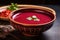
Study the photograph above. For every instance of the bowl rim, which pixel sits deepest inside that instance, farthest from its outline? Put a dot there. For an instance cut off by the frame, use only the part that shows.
(34, 6)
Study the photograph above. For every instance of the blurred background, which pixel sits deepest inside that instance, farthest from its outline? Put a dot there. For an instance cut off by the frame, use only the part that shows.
(35, 2)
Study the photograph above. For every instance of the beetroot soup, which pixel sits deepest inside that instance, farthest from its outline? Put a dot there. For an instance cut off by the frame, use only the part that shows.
(32, 17)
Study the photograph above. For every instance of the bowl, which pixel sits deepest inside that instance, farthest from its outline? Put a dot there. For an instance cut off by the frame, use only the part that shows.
(32, 29)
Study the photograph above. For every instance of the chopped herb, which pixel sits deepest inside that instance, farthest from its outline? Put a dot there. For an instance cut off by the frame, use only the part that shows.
(13, 7)
(33, 18)
(37, 19)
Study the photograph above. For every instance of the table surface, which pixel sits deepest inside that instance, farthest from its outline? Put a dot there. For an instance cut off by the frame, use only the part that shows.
(52, 34)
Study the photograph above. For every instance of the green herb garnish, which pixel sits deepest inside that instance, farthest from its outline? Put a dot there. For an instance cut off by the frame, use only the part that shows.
(13, 7)
(33, 18)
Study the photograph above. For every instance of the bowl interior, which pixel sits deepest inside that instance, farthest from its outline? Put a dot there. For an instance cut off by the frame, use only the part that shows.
(50, 13)
(34, 10)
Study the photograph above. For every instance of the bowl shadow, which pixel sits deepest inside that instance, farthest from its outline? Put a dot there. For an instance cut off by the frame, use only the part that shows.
(22, 37)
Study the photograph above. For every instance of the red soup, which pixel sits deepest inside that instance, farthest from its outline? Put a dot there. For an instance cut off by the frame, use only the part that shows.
(32, 16)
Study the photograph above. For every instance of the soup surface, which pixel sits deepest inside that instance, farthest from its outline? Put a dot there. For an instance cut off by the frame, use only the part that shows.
(32, 17)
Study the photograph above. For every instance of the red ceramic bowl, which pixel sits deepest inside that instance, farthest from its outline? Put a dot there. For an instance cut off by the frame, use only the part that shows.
(32, 29)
